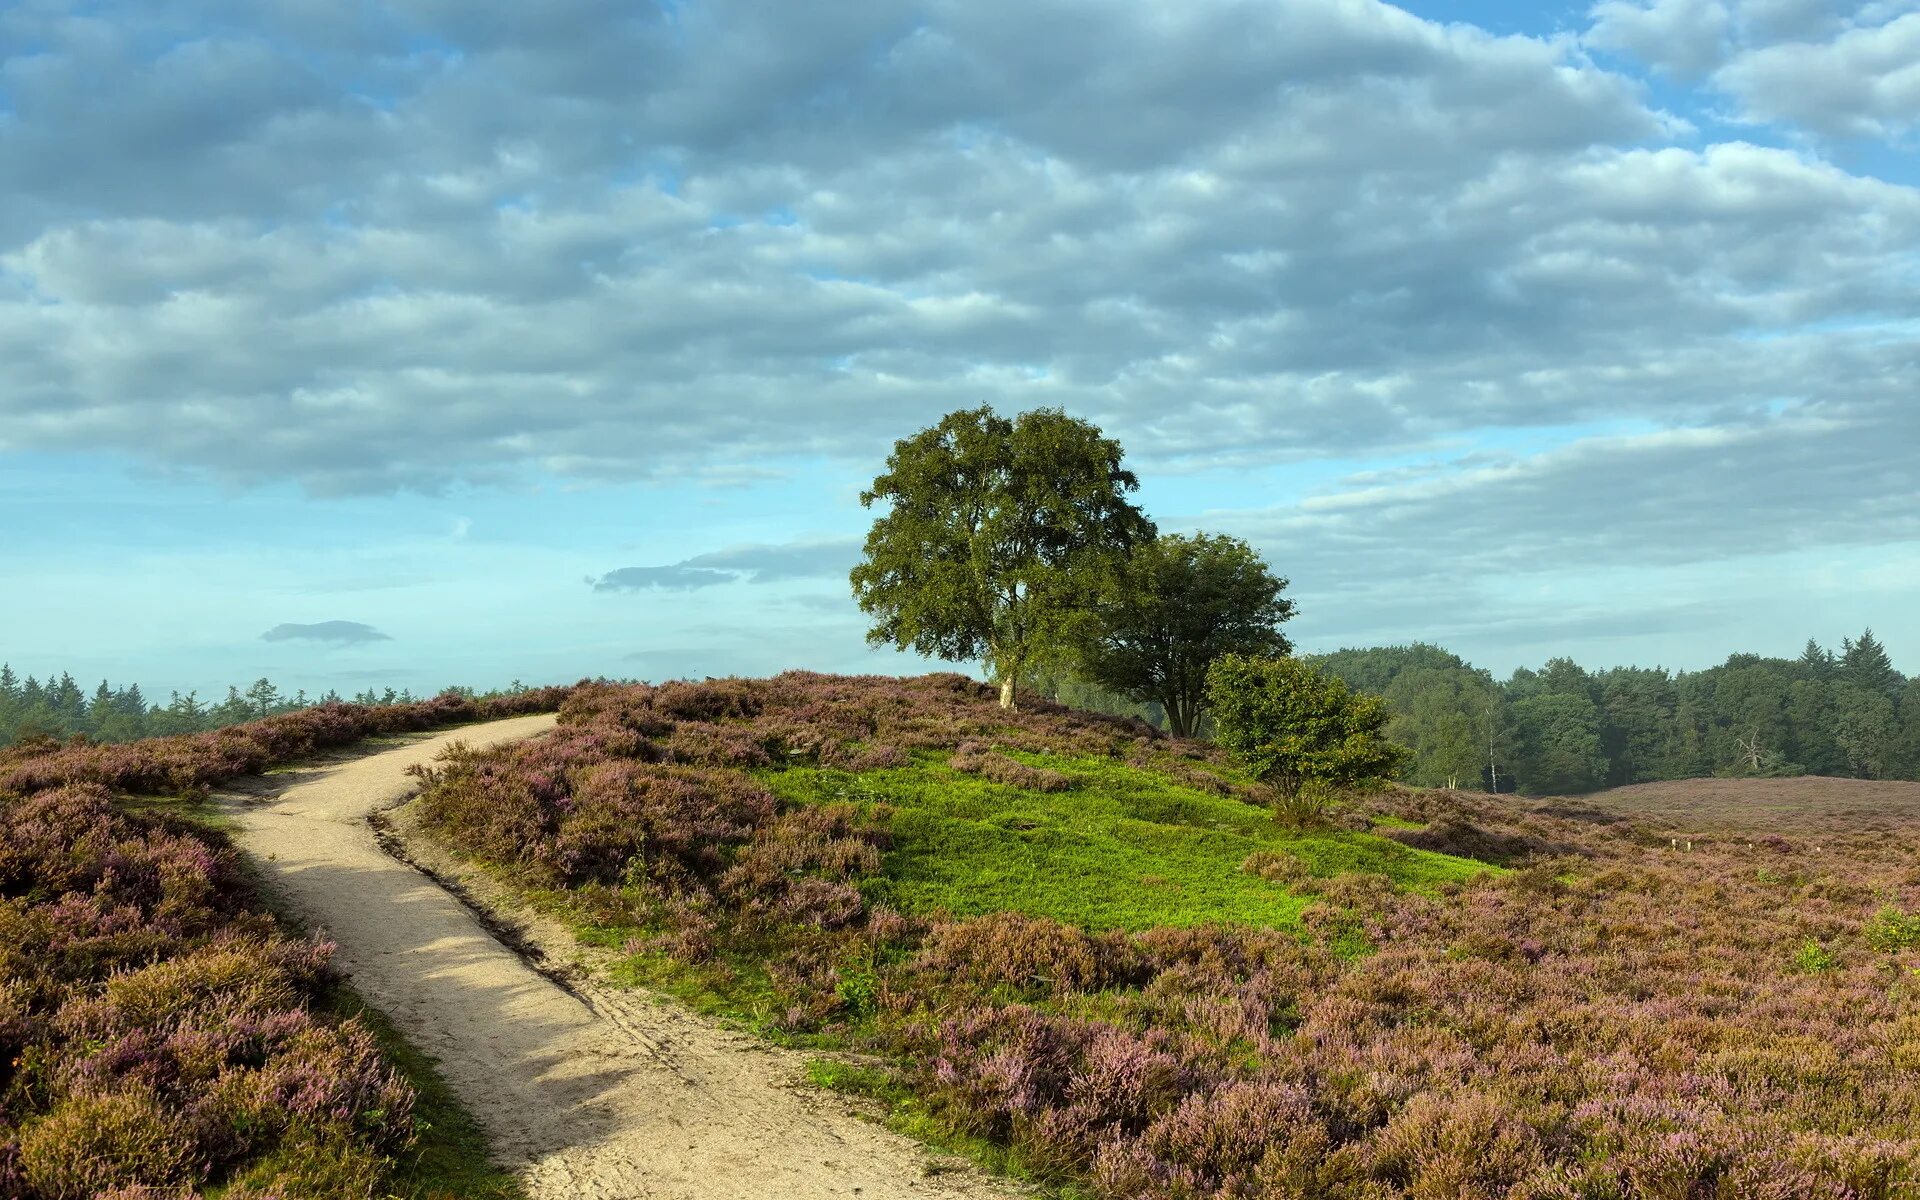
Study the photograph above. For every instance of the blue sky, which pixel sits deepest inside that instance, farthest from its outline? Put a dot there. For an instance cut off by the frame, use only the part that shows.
(489, 329)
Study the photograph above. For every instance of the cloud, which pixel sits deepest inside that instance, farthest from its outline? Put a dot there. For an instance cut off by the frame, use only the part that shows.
(1687, 38)
(1614, 534)
(828, 559)
(1836, 70)
(1861, 84)
(676, 577)
(825, 559)
(837, 229)
(333, 633)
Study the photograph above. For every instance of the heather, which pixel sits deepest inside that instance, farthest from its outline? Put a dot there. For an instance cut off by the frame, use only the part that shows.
(1619, 1012)
(157, 1032)
(196, 762)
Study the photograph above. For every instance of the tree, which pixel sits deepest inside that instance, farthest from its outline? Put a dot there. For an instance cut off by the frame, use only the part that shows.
(1559, 735)
(1304, 734)
(1865, 665)
(998, 534)
(1177, 604)
(263, 697)
(1865, 730)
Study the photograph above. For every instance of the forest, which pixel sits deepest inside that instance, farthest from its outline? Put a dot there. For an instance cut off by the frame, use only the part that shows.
(60, 708)
(1564, 729)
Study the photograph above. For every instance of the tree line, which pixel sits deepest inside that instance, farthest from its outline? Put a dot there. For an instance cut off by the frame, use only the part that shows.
(1564, 729)
(60, 708)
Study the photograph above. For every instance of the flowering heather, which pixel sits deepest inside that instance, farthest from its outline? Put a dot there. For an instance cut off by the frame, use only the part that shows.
(1627, 1013)
(155, 1033)
(195, 762)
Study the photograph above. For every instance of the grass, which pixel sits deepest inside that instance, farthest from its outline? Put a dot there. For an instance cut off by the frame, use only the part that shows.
(1125, 848)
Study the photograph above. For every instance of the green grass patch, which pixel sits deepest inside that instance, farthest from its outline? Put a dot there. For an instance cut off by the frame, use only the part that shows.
(1125, 848)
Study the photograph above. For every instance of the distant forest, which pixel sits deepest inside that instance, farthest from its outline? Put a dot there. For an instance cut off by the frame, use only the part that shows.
(60, 708)
(1564, 729)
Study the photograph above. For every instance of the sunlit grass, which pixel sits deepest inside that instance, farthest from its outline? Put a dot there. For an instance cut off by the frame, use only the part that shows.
(1125, 848)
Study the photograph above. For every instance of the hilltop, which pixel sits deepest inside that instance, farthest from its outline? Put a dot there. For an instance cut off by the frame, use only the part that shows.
(1075, 948)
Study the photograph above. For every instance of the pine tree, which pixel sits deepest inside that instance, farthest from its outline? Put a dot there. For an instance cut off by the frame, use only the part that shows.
(1865, 665)
(1816, 661)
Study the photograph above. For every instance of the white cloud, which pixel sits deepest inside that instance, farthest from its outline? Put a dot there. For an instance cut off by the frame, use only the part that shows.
(1864, 83)
(1686, 38)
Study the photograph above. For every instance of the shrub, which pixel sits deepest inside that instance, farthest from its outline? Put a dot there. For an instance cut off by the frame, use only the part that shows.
(1813, 959)
(91, 1144)
(976, 759)
(1277, 866)
(1028, 955)
(1891, 931)
(1610, 1020)
(1301, 732)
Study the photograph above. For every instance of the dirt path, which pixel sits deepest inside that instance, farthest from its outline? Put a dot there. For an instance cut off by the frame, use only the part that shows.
(595, 1093)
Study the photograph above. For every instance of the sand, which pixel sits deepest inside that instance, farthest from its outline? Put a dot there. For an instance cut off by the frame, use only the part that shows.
(589, 1091)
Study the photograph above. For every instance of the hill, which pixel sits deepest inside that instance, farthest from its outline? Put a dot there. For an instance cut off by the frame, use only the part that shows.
(1072, 946)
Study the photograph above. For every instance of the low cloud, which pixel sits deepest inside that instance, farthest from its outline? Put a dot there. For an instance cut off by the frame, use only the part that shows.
(827, 559)
(332, 633)
(674, 577)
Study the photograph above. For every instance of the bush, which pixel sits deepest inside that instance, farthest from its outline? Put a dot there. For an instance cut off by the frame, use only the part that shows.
(977, 759)
(1814, 959)
(154, 1030)
(1891, 931)
(1301, 732)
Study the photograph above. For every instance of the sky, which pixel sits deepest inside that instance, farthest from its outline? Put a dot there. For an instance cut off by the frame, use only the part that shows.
(422, 342)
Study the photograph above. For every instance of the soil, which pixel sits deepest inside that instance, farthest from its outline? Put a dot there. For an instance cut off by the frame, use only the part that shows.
(589, 1091)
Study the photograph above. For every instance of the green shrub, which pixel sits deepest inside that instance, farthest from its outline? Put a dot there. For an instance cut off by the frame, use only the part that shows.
(1304, 734)
(1814, 959)
(1891, 931)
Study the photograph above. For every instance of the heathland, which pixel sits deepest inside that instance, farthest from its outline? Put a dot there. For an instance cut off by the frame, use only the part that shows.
(1073, 947)
(1067, 944)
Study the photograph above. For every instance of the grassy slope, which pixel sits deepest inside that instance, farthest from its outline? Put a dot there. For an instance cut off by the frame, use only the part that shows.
(1125, 848)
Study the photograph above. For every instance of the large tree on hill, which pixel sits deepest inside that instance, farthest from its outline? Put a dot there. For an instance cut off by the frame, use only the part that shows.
(998, 534)
(1177, 604)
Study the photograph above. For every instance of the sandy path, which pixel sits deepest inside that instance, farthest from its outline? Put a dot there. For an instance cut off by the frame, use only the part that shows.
(595, 1093)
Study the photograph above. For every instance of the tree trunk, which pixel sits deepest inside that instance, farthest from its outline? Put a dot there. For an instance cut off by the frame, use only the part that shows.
(1006, 693)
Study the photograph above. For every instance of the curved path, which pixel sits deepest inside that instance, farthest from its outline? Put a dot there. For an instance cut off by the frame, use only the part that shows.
(593, 1093)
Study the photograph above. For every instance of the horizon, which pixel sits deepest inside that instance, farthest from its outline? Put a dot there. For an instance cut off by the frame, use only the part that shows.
(425, 348)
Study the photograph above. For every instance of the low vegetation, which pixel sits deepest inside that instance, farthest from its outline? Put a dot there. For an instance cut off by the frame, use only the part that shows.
(1137, 985)
(193, 763)
(158, 1030)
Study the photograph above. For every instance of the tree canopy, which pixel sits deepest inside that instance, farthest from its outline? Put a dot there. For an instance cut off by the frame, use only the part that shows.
(1177, 604)
(1302, 732)
(1562, 728)
(997, 534)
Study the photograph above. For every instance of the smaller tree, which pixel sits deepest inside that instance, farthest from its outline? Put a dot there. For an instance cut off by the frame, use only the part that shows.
(1304, 734)
(1177, 604)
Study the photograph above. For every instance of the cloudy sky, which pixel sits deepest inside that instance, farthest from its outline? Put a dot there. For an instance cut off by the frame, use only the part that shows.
(429, 341)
